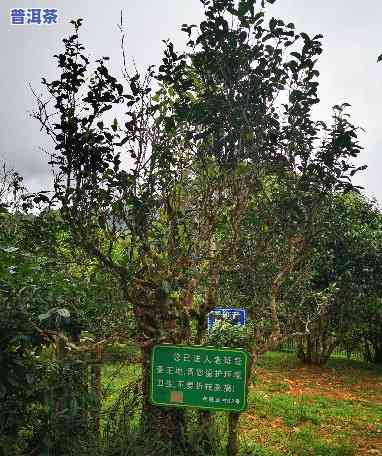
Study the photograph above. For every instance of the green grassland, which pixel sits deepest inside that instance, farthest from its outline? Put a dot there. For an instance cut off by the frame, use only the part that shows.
(293, 409)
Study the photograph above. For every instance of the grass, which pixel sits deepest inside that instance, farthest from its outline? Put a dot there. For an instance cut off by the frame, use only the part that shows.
(295, 410)
(298, 410)
(114, 377)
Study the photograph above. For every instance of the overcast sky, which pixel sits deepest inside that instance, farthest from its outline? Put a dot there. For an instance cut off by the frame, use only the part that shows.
(352, 42)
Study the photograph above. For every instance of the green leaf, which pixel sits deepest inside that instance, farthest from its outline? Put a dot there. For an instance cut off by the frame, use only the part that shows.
(258, 15)
(243, 8)
(114, 125)
(166, 286)
(9, 249)
(63, 313)
(3, 390)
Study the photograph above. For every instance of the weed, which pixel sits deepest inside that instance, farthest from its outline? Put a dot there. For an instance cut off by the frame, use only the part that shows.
(293, 411)
(306, 443)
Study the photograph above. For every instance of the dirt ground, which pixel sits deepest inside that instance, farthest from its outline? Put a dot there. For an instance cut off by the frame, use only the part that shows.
(354, 387)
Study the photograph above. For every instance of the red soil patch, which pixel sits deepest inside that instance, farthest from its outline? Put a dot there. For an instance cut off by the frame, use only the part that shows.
(323, 382)
(363, 387)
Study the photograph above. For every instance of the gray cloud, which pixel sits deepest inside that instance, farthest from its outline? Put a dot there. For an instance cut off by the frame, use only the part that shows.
(349, 72)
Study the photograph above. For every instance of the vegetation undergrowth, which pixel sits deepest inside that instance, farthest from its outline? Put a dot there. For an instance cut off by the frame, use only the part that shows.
(293, 410)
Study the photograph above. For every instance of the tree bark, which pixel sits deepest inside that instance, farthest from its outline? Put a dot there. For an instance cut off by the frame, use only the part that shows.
(233, 442)
(315, 349)
(206, 429)
(96, 387)
(378, 355)
(164, 423)
(300, 350)
(205, 417)
(233, 447)
(366, 351)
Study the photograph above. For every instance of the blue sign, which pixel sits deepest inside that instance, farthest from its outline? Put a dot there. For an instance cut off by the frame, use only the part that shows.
(39, 16)
(233, 315)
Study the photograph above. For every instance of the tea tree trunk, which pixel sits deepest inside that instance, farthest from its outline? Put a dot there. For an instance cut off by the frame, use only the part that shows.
(167, 424)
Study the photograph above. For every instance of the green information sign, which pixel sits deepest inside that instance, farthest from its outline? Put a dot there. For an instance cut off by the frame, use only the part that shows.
(203, 377)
